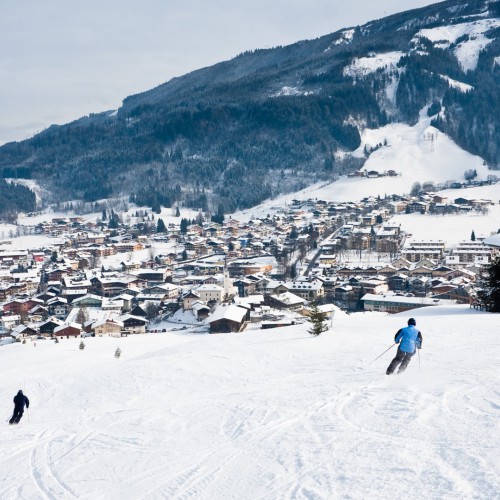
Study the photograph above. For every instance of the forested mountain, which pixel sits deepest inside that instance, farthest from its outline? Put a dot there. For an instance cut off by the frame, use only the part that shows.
(275, 120)
(15, 198)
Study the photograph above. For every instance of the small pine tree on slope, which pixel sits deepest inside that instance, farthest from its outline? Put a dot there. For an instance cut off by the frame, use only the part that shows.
(490, 294)
(317, 320)
(83, 316)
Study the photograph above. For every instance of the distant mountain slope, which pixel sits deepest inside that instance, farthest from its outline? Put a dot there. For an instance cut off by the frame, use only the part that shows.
(273, 121)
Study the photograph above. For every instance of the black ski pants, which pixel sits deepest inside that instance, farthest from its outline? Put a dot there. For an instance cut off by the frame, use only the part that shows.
(401, 357)
(16, 417)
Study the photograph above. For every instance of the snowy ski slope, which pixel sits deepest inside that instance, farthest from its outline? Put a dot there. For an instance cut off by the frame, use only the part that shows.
(258, 415)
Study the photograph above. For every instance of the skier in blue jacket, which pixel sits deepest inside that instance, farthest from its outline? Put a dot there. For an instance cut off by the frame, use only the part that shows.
(409, 340)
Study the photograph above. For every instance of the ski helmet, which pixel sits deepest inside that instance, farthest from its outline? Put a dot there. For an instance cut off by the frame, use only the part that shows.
(412, 321)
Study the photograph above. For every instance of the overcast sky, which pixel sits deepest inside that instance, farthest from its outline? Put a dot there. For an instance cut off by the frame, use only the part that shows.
(62, 59)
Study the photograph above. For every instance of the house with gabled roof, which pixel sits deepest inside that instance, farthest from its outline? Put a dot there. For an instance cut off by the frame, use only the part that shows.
(11, 321)
(68, 330)
(23, 331)
(441, 271)
(210, 293)
(227, 319)
(420, 271)
(167, 291)
(308, 290)
(398, 282)
(401, 262)
(47, 327)
(189, 298)
(58, 307)
(109, 326)
(200, 310)
(133, 324)
(285, 301)
(88, 300)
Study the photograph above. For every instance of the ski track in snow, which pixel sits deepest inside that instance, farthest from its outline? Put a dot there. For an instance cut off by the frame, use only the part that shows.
(259, 415)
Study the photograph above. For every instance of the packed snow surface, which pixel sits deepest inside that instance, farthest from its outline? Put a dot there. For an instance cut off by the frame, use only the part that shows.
(258, 415)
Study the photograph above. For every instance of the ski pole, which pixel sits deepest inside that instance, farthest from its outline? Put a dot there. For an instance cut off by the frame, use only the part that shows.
(390, 347)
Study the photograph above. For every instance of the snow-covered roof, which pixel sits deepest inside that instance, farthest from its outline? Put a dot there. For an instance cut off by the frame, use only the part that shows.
(68, 325)
(125, 317)
(198, 306)
(209, 288)
(250, 299)
(86, 297)
(418, 301)
(231, 313)
(328, 308)
(108, 320)
(289, 298)
(493, 241)
(18, 329)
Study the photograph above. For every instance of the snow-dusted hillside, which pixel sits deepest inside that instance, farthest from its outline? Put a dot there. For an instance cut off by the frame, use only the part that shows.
(470, 37)
(418, 153)
(366, 65)
(262, 414)
(40, 192)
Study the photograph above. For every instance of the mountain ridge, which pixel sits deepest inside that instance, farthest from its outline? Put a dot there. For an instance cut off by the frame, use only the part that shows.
(277, 119)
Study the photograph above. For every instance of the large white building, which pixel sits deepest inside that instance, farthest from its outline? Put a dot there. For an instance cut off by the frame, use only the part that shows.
(396, 303)
(209, 293)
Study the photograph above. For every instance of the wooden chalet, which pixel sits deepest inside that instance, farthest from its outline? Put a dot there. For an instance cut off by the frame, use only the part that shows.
(228, 319)
(68, 330)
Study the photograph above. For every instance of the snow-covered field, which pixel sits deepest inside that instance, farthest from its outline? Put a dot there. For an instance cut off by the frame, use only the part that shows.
(258, 415)
(31, 242)
(451, 228)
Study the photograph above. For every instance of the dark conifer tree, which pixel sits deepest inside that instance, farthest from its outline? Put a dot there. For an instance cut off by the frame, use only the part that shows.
(317, 320)
(490, 293)
(160, 226)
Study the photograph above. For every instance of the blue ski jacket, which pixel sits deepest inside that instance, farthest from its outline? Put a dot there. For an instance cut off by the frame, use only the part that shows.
(410, 339)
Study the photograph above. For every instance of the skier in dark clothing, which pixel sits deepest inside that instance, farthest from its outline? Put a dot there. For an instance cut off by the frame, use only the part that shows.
(409, 340)
(19, 401)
